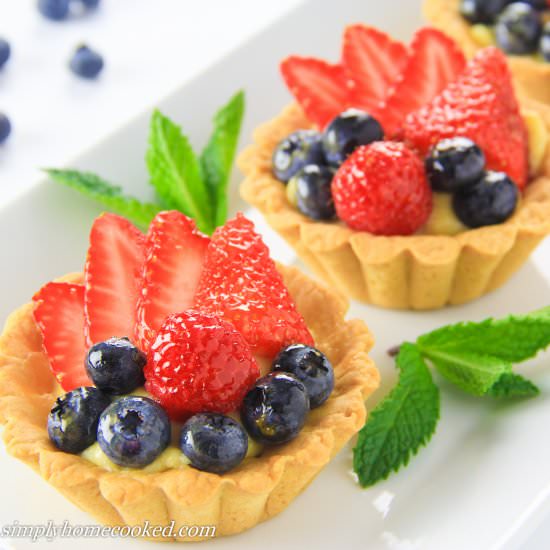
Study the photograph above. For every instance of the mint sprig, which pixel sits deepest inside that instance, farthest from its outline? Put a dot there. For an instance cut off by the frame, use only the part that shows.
(195, 185)
(401, 423)
(476, 357)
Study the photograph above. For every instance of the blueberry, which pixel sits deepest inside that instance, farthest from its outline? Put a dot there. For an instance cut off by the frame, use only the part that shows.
(133, 431)
(482, 11)
(311, 367)
(90, 4)
(346, 132)
(56, 10)
(313, 197)
(490, 201)
(213, 442)
(72, 423)
(454, 163)
(5, 128)
(5, 51)
(275, 409)
(518, 29)
(116, 366)
(539, 5)
(545, 42)
(86, 62)
(295, 151)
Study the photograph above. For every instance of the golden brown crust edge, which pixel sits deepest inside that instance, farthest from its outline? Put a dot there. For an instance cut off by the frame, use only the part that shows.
(254, 492)
(416, 272)
(532, 77)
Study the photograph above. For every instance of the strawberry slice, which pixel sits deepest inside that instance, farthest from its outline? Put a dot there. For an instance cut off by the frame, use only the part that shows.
(59, 314)
(174, 255)
(372, 62)
(319, 87)
(434, 61)
(112, 275)
(480, 105)
(241, 284)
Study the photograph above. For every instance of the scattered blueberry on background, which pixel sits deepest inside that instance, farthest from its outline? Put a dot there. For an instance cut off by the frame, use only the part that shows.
(5, 51)
(86, 62)
(58, 10)
(5, 127)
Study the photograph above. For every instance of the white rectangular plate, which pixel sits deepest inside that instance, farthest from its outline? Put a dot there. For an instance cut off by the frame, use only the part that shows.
(482, 482)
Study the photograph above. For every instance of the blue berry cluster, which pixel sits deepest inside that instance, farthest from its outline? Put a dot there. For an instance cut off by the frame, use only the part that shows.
(480, 197)
(519, 26)
(133, 430)
(306, 160)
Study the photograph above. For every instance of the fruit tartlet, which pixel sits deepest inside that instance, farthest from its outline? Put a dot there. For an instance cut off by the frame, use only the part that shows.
(521, 29)
(182, 378)
(404, 176)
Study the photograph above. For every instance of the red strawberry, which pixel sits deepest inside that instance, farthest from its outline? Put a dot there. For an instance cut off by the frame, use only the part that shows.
(174, 254)
(482, 106)
(434, 61)
(59, 314)
(320, 88)
(372, 62)
(199, 363)
(112, 274)
(382, 188)
(241, 284)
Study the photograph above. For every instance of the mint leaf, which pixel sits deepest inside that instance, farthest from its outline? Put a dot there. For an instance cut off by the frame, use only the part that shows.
(401, 423)
(218, 155)
(512, 339)
(473, 373)
(110, 196)
(175, 172)
(513, 385)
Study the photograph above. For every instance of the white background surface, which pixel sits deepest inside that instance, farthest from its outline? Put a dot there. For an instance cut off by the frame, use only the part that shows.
(152, 47)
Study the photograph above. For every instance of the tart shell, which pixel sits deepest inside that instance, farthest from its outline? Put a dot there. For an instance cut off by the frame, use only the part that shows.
(531, 76)
(411, 272)
(255, 491)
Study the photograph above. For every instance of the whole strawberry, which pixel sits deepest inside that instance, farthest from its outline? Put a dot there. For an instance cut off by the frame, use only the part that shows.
(481, 105)
(199, 363)
(382, 188)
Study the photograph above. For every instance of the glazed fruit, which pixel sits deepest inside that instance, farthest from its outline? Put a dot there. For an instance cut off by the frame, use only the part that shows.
(454, 163)
(72, 423)
(5, 51)
(241, 284)
(86, 62)
(318, 87)
(545, 42)
(313, 195)
(199, 363)
(59, 314)
(111, 274)
(297, 150)
(311, 367)
(116, 366)
(5, 127)
(275, 409)
(433, 62)
(482, 11)
(518, 29)
(372, 63)
(133, 431)
(56, 10)
(382, 188)
(491, 118)
(174, 256)
(213, 442)
(348, 131)
(490, 201)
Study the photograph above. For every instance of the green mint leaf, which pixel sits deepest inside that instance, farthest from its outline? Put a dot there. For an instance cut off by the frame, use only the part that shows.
(218, 155)
(110, 196)
(175, 172)
(473, 373)
(401, 423)
(513, 385)
(512, 339)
